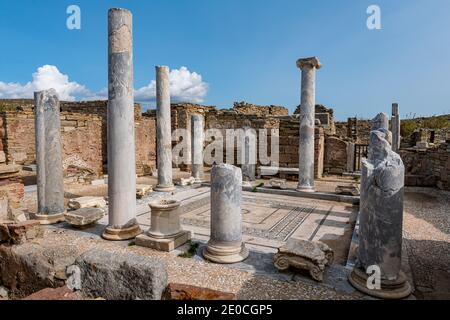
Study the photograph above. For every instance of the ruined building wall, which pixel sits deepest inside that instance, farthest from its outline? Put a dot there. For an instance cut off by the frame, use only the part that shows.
(427, 167)
(83, 137)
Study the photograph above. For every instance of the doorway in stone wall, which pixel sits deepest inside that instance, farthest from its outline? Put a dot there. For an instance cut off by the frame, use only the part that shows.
(361, 151)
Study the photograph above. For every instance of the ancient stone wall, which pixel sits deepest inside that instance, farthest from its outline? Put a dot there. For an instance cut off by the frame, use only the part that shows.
(427, 167)
(83, 135)
(335, 161)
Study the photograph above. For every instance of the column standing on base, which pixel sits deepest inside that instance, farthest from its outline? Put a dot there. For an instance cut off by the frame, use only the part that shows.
(307, 120)
(50, 181)
(163, 130)
(121, 150)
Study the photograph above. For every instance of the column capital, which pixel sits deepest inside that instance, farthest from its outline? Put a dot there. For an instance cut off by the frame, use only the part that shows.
(311, 62)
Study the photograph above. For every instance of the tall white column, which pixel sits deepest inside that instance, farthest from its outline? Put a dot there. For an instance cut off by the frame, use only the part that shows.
(197, 138)
(163, 130)
(121, 145)
(308, 67)
(50, 181)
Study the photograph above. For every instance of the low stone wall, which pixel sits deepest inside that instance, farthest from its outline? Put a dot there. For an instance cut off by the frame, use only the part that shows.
(427, 167)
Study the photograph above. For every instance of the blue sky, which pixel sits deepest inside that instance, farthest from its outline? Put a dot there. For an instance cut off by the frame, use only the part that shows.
(245, 50)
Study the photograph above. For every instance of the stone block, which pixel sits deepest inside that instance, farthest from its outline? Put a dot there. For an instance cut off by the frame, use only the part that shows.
(142, 190)
(185, 181)
(176, 291)
(166, 244)
(348, 190)
(278, 183)
(87, 202)
(121, 276)
(306, 255)
(84, 216)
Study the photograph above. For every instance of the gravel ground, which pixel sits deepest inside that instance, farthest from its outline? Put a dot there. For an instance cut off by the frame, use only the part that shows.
(427, 239)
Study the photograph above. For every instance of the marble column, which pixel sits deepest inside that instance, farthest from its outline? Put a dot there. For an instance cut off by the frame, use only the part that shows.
(380, 224)
(395, 128)
(121, 149)
(225, 244)
(197, 139)
(249, 163)
(308, 67)
(163, 130)
(50, 181)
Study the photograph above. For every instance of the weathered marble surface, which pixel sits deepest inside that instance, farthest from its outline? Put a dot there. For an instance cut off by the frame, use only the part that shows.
(50, 183)
(197, 137)
(163, 130)
(381, 123)
(308, 67)
(225, 244)
(381, 208)
(120, 114)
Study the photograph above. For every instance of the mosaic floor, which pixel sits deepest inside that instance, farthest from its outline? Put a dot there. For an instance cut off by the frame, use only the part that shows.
(269, 220)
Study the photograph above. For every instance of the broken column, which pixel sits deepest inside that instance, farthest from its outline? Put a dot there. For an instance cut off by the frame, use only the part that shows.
(165, 233)
(225, 244)
(381, 122)
(163, 130)
(381, 218)
(50, 183)
(395, 128)
(197, 139)
(307, 120)
(249, 153)
(121, 150)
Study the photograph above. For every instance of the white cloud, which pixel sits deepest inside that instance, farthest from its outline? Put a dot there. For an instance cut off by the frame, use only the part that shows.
(185, 86)
(45, 77)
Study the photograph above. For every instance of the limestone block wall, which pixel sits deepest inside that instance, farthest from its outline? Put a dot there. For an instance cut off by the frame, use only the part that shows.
(336, 156)
(427, 168)
(83, 135)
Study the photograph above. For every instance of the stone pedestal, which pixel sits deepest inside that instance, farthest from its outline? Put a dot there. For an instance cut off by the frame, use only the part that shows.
(197, 139)
(163, 130)
(308, 67)
(225, 244)
(165, 233)
(121, 151)
(381, 218)
(395, 128)
(50, 183)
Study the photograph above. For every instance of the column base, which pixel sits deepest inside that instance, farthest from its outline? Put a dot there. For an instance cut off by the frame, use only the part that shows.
(225, 254)
(159, 188)
(113, 234)
(395, 289)
(47, 219)
(163, 244)
(305, 189)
